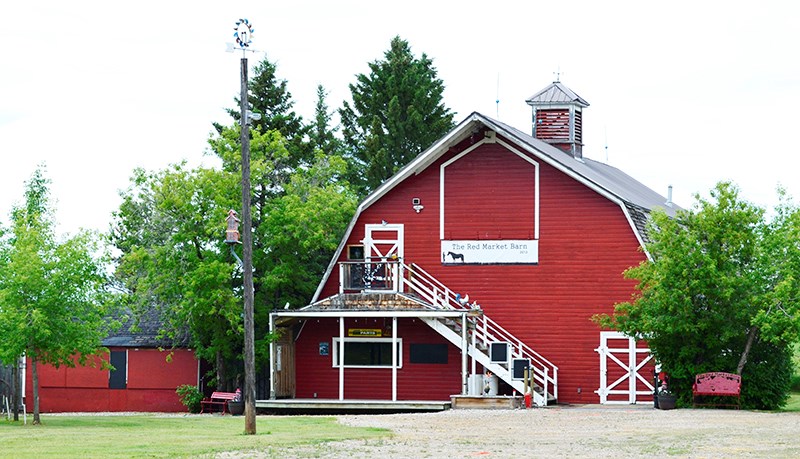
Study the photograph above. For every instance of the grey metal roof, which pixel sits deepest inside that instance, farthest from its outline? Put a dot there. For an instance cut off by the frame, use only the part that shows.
(143, 331)
(556, 94)
(637, 199)
(626, 188)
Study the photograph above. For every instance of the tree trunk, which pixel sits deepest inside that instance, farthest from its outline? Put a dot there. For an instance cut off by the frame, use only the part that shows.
(15, 389)
(751, 336)
(35, 381)
(221, 377)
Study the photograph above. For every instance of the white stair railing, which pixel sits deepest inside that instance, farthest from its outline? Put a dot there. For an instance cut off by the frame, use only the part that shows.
(484, 330)
(395, 276)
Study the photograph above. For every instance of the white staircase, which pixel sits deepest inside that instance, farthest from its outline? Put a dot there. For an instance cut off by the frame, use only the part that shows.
(481, 333)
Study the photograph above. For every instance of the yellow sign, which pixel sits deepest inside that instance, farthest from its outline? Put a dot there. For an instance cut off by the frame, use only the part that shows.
(364, 332)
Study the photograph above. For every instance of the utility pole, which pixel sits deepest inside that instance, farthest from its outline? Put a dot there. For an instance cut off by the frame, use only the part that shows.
(243, 38)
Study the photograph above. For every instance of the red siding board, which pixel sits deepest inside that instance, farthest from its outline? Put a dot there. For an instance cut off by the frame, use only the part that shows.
(151, 384)
(586, 242)
(316, 376)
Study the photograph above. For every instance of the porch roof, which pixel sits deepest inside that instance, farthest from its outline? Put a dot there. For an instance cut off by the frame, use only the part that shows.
(374, 304)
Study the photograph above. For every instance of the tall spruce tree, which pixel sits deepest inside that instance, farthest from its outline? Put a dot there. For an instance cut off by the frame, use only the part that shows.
(269, 96)
(321, 133)
(396, 112)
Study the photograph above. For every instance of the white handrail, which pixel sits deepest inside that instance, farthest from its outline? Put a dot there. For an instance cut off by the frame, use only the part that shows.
(490, 331)
(413, 279)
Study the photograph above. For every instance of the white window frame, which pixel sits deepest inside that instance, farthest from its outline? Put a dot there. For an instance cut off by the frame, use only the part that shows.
(335, 353)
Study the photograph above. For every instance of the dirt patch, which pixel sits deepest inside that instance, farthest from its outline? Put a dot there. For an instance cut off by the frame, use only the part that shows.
(575, 431)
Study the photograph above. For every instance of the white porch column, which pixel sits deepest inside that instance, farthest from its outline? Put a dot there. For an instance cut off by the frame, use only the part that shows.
(394, 359)
(474, 367)
(464, 353)
(271, 358)
(341, 358)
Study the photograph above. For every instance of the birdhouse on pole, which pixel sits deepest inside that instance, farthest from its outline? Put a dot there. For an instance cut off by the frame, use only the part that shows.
(232, 232)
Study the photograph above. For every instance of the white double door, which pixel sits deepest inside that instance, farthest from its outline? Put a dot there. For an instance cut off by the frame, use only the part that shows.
(626, 370)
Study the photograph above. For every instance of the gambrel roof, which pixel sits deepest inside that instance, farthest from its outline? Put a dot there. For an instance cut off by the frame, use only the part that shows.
(634, 198)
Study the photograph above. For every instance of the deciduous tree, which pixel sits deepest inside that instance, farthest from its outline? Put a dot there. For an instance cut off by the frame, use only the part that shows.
(719, 294)
(53, 292)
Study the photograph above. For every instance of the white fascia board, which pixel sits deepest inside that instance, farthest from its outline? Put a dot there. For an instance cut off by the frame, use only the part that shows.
(369, 313)
(414, 167)
(418, 164)
(574, 175)
(636, 232)
(336, 256)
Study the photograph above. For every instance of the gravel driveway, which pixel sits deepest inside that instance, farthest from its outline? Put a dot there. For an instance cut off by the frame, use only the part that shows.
(575, 431)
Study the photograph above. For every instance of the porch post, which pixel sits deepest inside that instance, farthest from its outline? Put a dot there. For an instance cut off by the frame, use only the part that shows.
(341, 358)
(474, 366)
(394, 359)
(464, 353)
(272, 358)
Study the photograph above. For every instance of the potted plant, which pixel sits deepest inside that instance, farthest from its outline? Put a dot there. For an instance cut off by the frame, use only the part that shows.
(666, 399)
(236, 406)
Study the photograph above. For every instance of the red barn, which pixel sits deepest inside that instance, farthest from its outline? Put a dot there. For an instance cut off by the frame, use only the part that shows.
(145, 375)
(491, 250)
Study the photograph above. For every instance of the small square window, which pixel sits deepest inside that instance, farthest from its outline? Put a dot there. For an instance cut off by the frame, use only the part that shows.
(355, 252)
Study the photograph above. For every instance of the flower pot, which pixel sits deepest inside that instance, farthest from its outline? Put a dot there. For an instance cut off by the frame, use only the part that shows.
(236, 408)
(666, 401)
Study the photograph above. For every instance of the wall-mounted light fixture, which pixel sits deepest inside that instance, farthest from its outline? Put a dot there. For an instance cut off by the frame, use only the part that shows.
(416, 204)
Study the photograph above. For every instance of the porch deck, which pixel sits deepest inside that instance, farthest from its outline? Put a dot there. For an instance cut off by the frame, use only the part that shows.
(319, 406)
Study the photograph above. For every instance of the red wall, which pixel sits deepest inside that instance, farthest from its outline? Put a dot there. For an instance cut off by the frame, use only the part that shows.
(415, 381)
(151, 385)
(585, 244)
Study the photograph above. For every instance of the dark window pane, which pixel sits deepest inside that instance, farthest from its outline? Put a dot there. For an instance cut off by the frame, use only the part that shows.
(428, 353)
(117, 378)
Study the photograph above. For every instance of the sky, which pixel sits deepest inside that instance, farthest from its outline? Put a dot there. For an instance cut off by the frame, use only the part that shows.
(681, 93)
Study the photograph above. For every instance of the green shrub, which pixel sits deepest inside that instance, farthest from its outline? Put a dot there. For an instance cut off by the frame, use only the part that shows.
(190, 397)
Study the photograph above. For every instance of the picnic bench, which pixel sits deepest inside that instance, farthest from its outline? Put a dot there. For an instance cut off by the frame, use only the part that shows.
(218, 399)
(717, 384)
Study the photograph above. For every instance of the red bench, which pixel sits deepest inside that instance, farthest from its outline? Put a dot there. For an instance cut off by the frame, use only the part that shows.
(717, 384)
(218, 398)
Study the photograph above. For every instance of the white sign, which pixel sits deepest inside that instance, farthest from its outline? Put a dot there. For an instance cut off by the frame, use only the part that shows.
(485, 252)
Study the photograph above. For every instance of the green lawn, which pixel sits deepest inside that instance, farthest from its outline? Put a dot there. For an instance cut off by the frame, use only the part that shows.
(154, 436)
(794, 402)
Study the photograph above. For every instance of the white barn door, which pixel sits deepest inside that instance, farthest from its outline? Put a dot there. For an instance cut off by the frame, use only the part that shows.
(383, 245)
(625, 376)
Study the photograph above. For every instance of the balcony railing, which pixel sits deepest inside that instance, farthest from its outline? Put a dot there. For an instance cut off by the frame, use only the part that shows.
(370, 276)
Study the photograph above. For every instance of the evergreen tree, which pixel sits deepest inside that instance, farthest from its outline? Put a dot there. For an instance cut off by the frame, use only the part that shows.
(270, 97)
(396, 113)
(321, 133)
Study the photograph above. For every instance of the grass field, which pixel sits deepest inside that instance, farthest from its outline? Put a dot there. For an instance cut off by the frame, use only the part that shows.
(155, 436)
(794, 403)
(160, 436)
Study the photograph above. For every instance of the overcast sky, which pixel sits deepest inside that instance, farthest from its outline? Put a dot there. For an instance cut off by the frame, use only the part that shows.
(681, 93)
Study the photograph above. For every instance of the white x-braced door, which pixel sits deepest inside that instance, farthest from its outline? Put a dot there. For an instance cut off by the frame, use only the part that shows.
(383, 251)
(626, 370)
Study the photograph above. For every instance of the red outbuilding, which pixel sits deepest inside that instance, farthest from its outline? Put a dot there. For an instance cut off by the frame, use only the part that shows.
(491, 250)
(146, 372)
